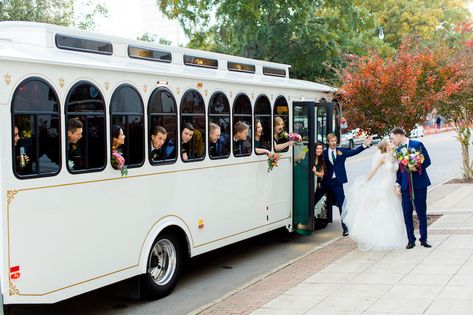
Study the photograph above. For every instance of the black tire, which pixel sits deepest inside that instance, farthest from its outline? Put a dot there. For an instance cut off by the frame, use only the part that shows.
(162, 271)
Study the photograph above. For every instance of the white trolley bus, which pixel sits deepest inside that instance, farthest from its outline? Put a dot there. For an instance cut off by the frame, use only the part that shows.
(71, 223)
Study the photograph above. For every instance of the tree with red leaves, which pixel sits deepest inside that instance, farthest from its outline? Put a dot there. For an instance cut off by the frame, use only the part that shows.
(378, 94)
(458, 108)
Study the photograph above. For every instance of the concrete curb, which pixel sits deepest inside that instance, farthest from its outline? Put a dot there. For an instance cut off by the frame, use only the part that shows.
(263, 276)
(443, 183)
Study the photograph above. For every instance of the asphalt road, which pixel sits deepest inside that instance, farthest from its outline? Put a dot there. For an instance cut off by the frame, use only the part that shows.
(209, 276)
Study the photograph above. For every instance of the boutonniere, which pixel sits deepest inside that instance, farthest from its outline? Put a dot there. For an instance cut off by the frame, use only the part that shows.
(339, 152)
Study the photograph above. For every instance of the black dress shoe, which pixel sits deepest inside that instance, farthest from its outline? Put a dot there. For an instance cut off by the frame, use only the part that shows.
(410, 245)
(345, 233)
(426, 244)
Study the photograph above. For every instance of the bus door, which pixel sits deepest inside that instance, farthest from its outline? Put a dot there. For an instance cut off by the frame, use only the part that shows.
(327, 118)
(303, 159)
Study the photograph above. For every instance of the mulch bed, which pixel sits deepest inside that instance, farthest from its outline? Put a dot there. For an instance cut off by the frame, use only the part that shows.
(431, 218)
(460, 181)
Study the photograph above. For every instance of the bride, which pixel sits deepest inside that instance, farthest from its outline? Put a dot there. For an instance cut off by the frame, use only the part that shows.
(372, 209)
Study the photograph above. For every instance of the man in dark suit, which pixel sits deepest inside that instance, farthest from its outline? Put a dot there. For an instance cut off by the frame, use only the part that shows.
(241, 145)
(419, 184)
(217, 142)
(335, 174)
(162, 149)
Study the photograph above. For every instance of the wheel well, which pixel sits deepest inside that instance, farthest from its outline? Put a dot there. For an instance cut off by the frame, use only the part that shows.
(180, 235)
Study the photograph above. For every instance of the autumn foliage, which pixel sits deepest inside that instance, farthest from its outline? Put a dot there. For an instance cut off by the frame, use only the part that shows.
(380, 93)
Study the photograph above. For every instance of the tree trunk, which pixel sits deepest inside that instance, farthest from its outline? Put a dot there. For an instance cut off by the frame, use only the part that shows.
(464, 136)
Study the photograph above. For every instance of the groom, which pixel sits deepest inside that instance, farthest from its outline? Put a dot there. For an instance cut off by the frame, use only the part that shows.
(419, 184)
(335, 175)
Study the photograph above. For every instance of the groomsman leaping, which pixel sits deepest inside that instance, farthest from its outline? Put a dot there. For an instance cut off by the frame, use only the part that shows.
(335, 175)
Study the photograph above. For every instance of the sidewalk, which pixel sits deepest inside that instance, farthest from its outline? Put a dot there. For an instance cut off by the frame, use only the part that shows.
(340, 279)
(434, 130)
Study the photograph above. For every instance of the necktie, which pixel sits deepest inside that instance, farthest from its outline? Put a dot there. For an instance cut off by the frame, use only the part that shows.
(217, 149)
(333, 157)
(239, 147)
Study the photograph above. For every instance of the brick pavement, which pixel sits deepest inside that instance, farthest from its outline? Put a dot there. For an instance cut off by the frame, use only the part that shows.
(258, 294)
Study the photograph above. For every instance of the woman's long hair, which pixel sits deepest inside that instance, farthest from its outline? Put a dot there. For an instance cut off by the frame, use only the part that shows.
(319, 159)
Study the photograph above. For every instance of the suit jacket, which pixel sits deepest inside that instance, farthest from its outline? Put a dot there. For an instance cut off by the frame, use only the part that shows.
(419, 180)
(339, 167)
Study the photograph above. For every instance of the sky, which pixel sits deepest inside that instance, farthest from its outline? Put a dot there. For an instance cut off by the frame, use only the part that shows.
(132, 18)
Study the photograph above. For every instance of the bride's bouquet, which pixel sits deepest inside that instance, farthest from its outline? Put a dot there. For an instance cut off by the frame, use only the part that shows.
(410, 159)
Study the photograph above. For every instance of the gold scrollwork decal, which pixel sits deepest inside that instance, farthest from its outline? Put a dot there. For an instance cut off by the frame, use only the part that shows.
(206, 92)
(178, 90)
(61, 82)
(107, 85)
(11, 195)
(13, 290)
(145, 88)
(7, 78)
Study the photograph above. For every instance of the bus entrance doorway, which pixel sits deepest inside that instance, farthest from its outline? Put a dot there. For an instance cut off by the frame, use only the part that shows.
(313, 121)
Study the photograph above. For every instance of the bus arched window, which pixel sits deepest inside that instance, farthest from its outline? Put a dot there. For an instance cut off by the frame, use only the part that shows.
(263, 131)
(192, 126)
(162, 121)
(85, 129)
(242, 126)
(281, 110)
(126, 111)
(36, 130)
(219, 126)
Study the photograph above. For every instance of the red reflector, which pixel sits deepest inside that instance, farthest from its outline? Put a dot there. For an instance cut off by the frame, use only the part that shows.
(15, 269)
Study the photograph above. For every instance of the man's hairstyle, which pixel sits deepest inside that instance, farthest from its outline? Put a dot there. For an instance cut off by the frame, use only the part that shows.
(213, 127)
(188, 126)
(158, 129)
(240, 127)
(331, 136)
(73, 124)
(398, 131)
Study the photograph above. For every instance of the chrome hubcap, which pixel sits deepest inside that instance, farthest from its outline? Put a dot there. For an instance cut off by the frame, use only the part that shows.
(162, 262)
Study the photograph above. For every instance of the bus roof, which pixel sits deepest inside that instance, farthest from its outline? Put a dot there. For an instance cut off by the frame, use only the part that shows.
(37, 42)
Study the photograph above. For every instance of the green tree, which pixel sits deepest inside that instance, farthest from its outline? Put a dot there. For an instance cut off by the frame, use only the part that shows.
(430, 21)
(59, 12)
(314, 36)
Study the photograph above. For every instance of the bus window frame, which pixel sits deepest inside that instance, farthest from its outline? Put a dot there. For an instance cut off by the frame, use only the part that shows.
(270, 115)
(250, 127)
(12, 115)
(230, 126)
(204, 134)
(176, 120)
(126, 114)
(105, 148)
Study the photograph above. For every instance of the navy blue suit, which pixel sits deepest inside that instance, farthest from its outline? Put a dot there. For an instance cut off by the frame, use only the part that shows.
(420, 183)
(335, 185)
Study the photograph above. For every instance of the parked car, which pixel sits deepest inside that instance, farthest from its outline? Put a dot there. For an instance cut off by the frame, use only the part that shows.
(417, 132)
(352, 138)
(356, 137)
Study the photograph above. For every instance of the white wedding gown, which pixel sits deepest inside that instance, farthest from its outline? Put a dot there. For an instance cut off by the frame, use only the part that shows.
(372, 209)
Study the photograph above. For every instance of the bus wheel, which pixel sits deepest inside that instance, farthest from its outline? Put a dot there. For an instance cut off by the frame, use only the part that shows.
(163, 267)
